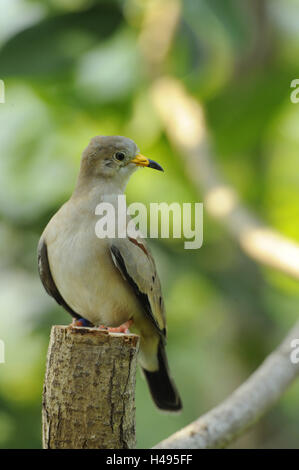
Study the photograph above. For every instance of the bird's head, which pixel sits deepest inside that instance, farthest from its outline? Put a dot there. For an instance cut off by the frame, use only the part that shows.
(113, 157)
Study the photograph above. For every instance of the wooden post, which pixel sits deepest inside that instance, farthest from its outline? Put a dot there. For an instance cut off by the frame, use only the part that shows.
(89, 389)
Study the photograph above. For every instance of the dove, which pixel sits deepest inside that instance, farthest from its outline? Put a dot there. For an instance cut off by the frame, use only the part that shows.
(108, 282)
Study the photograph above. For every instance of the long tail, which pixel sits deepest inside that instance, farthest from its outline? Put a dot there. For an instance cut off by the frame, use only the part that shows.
(161, 385)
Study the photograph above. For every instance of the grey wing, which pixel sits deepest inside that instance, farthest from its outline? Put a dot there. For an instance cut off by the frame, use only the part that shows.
(47, 279)
(133, 259)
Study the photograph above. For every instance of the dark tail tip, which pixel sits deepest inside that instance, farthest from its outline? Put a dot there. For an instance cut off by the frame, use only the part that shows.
(161, 385)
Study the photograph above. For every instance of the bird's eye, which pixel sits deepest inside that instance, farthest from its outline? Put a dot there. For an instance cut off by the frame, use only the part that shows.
(120, 156)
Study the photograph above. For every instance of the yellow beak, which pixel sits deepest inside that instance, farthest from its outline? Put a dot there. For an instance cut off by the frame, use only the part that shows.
(141, 160)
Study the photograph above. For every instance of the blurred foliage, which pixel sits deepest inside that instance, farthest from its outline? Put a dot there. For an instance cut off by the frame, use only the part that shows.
(74, 69)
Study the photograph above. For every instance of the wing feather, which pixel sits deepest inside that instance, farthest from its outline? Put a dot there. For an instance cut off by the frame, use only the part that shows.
(134, 261)
(47, 279)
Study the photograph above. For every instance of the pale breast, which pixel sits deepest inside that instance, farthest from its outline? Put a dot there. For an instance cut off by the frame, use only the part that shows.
(84, 273)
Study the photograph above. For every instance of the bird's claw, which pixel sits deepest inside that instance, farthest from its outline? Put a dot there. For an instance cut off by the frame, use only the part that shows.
(124, 328)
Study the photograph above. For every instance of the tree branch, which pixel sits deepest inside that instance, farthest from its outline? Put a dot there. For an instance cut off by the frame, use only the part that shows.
(226, 422)
(160, 20)
(184, 123)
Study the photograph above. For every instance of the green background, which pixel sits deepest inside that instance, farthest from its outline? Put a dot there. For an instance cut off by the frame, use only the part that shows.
(74, 69)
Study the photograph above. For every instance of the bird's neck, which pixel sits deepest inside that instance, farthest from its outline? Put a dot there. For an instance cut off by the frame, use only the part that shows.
(92, 191)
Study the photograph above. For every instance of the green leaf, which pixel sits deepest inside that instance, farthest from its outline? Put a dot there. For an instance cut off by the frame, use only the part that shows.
(52, 46)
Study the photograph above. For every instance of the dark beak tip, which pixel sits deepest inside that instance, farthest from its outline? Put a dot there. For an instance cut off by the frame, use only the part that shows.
(155, 165)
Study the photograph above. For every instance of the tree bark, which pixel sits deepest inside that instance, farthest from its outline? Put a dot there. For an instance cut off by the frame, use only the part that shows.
(89, 389)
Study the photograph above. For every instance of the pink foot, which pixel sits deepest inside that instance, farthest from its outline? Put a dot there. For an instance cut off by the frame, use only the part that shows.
(124, 328)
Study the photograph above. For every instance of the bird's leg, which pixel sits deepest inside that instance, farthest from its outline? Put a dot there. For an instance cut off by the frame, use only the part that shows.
(124, 328)
(80, 322)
